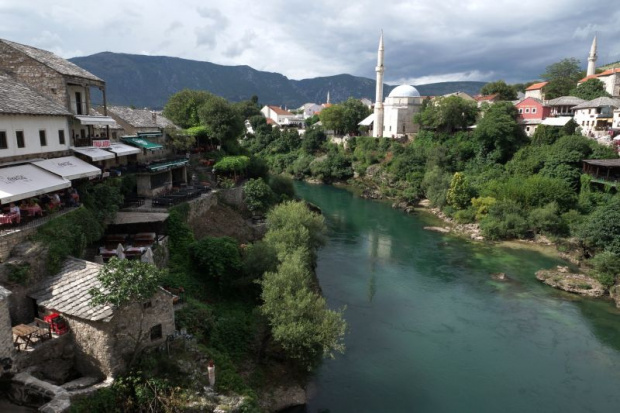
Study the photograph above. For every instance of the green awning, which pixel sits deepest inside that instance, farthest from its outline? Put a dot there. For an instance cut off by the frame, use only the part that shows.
(149, 134)
(142, 143)
(163, 166)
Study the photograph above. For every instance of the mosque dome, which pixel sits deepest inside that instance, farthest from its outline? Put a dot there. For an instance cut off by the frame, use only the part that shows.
(404, 91)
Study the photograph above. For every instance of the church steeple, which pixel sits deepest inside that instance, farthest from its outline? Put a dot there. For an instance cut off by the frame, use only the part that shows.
(592, 59)
(378, 124)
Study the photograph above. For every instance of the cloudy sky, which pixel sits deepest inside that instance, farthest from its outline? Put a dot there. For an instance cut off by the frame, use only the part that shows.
(426, 41)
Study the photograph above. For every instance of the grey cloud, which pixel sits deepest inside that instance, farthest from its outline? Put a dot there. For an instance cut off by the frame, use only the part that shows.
(237, 48)
(206, 36)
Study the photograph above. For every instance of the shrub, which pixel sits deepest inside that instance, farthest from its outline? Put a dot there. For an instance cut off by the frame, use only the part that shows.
(465, 216)
(606, 267)
(217, 258)
(258, 195)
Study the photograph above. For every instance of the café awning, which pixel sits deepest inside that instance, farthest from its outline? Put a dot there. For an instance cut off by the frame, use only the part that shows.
(25, 181)
(149, 134)
(95, 154)
(69, 167)
(95, 120)
(120, 149)
(164, 166)
(142, 143)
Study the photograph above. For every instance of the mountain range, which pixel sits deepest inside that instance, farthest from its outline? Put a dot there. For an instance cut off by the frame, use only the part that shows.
(148, 81)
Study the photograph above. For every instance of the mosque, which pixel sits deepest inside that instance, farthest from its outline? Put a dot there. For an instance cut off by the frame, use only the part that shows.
(394, 117)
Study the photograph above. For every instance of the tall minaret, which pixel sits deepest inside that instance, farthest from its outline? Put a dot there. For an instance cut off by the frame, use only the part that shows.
(328, 102)
(378, 127)
(592, 59)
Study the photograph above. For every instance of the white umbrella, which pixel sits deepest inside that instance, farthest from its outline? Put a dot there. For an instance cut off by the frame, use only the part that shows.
(120, 251)
(147, 257)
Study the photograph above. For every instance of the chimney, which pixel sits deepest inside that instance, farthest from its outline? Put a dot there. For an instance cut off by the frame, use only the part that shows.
(154, 116)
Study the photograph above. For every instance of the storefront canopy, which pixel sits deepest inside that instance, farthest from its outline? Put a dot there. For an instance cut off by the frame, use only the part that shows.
(121, 149)
(95, 154)
(96, 120)
(163, 166)
(149, 134)
(69, 167)
(141, 143)
(25, 181)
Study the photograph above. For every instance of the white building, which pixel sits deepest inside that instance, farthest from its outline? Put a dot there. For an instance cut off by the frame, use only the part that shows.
(281, 116)
(310, 109)
(399, 107)
(563, 106)
(595, 117)
(536, 91)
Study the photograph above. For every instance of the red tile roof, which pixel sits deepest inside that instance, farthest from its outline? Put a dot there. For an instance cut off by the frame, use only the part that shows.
(537, 86)
(605, 73)
(278, 110)
(481, 98)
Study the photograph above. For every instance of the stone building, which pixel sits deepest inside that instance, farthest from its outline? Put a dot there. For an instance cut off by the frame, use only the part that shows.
(104, 336)
(6, 335)
(59, 80)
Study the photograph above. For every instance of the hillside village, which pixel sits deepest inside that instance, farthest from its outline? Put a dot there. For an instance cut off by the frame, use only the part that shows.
(53, 140)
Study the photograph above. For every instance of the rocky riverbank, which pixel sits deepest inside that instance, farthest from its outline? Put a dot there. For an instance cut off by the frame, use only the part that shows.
(561, 278)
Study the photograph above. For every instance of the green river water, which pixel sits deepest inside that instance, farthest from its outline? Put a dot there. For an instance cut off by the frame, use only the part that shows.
(429, 330)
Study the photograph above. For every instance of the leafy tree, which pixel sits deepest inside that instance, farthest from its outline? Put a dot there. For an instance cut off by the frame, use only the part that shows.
(447, 114)
(282, 186)
(562, 77)
(258, 258)
(125, 283)
(217, 258)
(498, 132)
(459, 194)
(182, 107)
(343, 118)
(505, 219)
(222, 121)
(435, 184)
(314, 139)
(590, 89)
(332, 118)
(232, 164)
(258, 195)
(247, 109)
(601, 232)
(606, 267)
(506, 92)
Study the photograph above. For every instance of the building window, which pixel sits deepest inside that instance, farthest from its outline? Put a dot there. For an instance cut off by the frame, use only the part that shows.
(61, 136)
(533, 110)
(156, 332)
(520, 110)
(527, 110)
(3, 143)
(19, 135)
(42, 138)
(527, 128)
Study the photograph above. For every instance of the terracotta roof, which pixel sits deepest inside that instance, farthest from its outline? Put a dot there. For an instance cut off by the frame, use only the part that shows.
(52, 61)
(140, 118)
(271, 121)
(67, 291)
(602, 74)
(530, 98)
(537, 86)
(17, 98)
(481, 98)
(278, 110)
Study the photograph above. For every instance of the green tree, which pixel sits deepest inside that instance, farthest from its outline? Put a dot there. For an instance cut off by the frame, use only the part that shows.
(332, 118)
(343, 118)
(562, 77)
(447, 114)
(217, 258)
(258, 195)
(506, 92)
(590, 89)
(313, 140)
(606, 267)
(128, 283)
(601, 232)
(182, 107)
(460, 193)
(222, 121)
(498, 132)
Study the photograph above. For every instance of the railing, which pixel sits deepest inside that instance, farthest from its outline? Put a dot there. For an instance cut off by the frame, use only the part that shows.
(34, 223)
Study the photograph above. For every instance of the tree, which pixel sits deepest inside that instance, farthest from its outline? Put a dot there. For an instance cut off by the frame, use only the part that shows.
(562, 77)
(332, 118)
(447, 114)
(313, 140)
(217, 258)
(506, 92)
(344, 118)
(182, 107)
(247, 109)
(498, 132)
(125, 283)
(590, 89)
(222, 121)
(258, 195)
(459, 194)
(601, 232)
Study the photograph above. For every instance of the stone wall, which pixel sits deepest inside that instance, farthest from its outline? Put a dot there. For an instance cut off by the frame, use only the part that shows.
(6, 335)
(39, 77)
(104, 348)
(199, 206)
(232, 197)
(52, 360)
(9, 241)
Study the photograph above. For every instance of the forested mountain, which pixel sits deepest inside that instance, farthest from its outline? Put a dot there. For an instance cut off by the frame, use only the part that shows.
(148, 81)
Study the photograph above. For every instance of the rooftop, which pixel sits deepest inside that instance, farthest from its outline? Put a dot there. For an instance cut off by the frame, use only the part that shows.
(17, 98)
(140, 118)
(278, 110)
(52, 61)
(537, 86)
(603, 162)
(565, 101)
(599, 102)
(67, 291)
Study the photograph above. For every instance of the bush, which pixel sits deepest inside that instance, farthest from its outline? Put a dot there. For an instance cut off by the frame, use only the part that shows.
(606, 267)
(258, 195)
(283, 187)
(465, 216)
(217, 258)
(505, 220)
(547, 221)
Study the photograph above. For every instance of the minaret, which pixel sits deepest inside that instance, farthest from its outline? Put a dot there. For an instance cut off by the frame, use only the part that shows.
(378, 127)
(328, 102)
(592, 59)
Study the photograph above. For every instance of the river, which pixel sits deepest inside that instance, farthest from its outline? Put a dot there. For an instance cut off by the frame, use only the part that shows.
(429, 330)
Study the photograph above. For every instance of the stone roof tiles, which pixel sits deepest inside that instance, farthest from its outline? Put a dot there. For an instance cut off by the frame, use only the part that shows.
(54, 62)
(599, 102)
(141, 118)
(68, 291)
(17, 98)
(565, 101)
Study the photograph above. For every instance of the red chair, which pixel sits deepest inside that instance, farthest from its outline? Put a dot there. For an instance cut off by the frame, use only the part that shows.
(57, 323)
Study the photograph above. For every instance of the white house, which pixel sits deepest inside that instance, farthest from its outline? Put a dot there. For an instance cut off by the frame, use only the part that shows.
(563, 106)
(310, 109)
(595, 116)
(281, 116)
(536, 91)
(31, 125)
(610, 78)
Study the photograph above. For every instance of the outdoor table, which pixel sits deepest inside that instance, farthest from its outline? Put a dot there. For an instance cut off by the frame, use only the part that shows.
(107, 252)
(145, 236)
(23, 334)
(134, 251)
(33, 210)
(9, 218)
